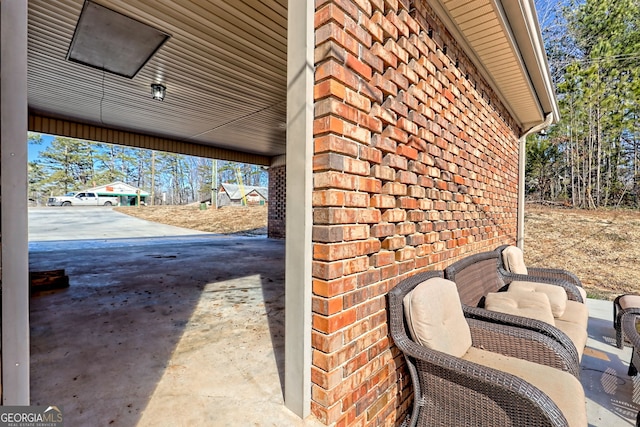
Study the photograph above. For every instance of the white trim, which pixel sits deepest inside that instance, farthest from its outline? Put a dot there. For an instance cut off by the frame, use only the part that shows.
(299, 218)
(15, 246)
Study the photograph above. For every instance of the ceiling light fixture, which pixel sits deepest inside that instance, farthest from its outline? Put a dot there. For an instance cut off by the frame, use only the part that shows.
(158, 91)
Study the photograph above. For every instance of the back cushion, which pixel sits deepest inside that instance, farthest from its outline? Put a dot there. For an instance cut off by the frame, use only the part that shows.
(513, 260)
(534, 305)
(556, 294)
(435, 318)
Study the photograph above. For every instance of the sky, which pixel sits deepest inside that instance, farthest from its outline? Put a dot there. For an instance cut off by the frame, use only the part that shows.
(33, 150)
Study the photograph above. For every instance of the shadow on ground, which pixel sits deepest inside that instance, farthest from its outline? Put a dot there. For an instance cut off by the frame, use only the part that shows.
(152, 331)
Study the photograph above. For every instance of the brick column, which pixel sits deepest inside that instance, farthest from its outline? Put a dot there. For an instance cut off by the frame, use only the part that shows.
(277, 202)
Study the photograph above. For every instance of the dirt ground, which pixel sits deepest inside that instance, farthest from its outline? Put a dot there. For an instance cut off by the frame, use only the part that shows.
(600, 246)
(224, 220)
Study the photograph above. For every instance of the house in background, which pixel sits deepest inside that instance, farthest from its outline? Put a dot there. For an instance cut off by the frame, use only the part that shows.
(232, 195)
(128, 194)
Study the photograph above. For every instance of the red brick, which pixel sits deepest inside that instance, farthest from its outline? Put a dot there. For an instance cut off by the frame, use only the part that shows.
(335, 251)
(334, 179)
(405, 228)
(394, 215)
(394, 188)
(384, 173)
(389, 59)
(384, 144)
(370, 154)
(336, 144)
(370, 185)
(368, 216)
(407, 203)
(329, 88)
(394, 242)
(395, 161)
(332, 69)
(330, 288)
(359, 200)
(382, 201)
(326, 306)
(382, 258)
(383, 230)
(330, 324)
(330, 215)
(407, 151)
(356, 265)
(406, 177)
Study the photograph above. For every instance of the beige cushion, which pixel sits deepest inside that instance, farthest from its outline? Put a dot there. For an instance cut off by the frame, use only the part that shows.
(577, 313)
(435, 318)
(629, 301)
(562, 387)
(576, 333)
(534, 305)
(557, 295)
(583, 293)
(513, 260)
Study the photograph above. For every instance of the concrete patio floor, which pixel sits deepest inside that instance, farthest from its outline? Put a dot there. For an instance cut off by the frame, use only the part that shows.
(613, 397)
(189, 331)
(177, 331)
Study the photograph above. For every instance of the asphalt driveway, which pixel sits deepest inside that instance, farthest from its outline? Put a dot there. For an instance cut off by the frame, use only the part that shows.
(92, 223)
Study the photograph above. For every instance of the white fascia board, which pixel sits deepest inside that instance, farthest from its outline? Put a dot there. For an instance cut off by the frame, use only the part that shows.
(538, 63)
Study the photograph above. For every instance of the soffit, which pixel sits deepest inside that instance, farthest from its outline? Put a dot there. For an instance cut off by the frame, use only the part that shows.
(500, 41)
(224, 68)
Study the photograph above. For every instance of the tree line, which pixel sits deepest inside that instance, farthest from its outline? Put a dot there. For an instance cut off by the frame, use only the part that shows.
(68, 164)
(590, 158)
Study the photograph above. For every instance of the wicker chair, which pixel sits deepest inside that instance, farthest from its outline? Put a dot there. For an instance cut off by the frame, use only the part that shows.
(629, 323)
(555, 276)
(623, 305)
(450, 390)
(478, 275)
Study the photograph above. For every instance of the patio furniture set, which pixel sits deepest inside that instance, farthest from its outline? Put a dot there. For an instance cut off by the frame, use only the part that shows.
(490, 342)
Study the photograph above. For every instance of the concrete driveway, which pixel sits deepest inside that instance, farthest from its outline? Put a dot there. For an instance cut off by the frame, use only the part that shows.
(82, 223)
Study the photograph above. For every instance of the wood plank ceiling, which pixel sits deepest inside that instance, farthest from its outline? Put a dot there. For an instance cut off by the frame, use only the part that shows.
(224, 68)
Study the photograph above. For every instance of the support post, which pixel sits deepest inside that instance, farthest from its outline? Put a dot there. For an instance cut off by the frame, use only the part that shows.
(299, 218)
(13, 188)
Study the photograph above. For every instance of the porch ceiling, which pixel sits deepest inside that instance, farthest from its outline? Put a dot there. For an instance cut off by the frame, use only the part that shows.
(224, 68)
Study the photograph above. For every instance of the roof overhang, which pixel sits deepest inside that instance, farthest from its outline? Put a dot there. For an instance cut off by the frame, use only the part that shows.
(503, 39)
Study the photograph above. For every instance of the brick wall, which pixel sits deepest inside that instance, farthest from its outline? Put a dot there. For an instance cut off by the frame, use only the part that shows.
(277, 202)
(415, 165)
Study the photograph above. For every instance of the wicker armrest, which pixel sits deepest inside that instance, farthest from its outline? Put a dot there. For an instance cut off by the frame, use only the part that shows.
(524, 322)
(628, 322)
(572, 290)
(523, 344)
(490, 396)
(555, 273)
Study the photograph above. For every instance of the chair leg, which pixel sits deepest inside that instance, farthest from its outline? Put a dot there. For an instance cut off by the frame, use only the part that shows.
(633, 371)
(619, 337)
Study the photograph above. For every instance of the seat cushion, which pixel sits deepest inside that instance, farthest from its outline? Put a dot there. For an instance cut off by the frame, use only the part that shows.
(534, 305)
(513, 260)
(435, 318)
(576, 312)
(629, 301)
(556, 294)
(576, 333)
(562, 387)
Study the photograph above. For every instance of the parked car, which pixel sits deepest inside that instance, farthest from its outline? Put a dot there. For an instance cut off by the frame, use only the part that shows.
(83, 199)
